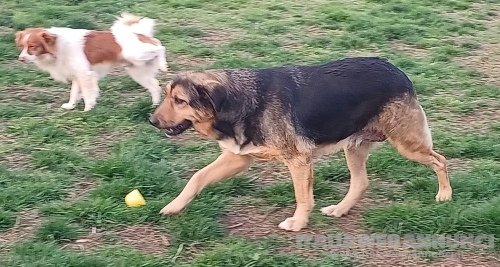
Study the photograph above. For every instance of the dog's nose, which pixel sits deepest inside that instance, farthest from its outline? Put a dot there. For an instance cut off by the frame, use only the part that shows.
(154, 121)
(22, 59)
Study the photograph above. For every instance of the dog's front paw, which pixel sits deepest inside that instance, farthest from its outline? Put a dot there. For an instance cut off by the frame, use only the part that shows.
(335, 210)
(68, 106)
(292, 224)
(444, 195)
(173, 207)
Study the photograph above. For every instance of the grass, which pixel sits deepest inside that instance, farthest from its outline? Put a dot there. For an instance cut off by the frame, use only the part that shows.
(75, 168)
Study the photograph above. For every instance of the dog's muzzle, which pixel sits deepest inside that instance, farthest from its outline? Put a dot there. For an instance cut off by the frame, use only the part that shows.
(178, 129)
(171, 131)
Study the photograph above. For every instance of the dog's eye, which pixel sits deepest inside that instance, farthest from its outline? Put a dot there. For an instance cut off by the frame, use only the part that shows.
(179, 101)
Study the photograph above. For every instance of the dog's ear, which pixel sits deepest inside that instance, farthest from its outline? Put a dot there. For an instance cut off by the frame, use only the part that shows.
(49, 42)
(19, 37)
(215, 94)
(168, 88)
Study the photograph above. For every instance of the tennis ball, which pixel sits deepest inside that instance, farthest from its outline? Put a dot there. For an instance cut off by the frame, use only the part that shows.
(134, 199)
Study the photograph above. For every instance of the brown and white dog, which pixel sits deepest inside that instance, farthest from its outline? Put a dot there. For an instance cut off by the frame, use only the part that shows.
(85, 56)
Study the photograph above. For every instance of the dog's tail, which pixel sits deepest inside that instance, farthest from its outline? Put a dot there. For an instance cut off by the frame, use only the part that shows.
(135, 24)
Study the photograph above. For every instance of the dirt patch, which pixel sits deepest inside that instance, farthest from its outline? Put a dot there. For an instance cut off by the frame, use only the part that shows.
(188, 62)
(145, 238)
(410, 50)
(26, 224)
(103, 143)
(217, 38)
(269, 172)
(315, 31)
(87, 243)
(485, 60)
(6, 30)
(16, 160)
(81, 190)
(26, 93)
(480, 121)
(459, 165)
(467, 259)
(258, 221)
(255, 222)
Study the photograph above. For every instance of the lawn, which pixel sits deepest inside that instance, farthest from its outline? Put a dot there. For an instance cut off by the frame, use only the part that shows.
(64, 174)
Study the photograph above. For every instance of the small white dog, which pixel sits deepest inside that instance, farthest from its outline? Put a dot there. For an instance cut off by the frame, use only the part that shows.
(84, 56)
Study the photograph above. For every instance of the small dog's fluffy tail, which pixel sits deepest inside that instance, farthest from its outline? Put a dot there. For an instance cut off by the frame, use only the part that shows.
(135, 24)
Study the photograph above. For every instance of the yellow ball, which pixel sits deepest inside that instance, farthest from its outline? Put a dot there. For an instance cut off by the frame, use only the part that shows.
(135, 199)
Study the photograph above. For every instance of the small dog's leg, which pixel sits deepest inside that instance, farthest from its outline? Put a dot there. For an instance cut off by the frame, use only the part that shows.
(145, 76)
(356, 161)
(74, 96)
(301, 169)
(89, 88)
(225, 166)
(162, 58)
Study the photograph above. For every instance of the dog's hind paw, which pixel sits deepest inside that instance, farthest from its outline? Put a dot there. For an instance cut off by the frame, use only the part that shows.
(292, 224)
(68, 106)
(335, 210)
(444, 195)
(88, 108)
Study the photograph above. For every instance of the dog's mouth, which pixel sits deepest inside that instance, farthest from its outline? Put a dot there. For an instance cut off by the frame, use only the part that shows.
(178, 129)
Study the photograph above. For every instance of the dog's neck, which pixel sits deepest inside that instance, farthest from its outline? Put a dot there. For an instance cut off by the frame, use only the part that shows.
(46, 61)
(55, 67)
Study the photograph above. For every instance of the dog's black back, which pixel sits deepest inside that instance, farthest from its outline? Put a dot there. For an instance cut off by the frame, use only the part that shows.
(332, 101)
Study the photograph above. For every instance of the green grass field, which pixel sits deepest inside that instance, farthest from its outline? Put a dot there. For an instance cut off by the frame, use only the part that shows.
(64, 174)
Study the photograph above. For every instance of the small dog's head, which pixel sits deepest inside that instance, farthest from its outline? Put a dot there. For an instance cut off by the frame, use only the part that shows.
(35, 43)
(191, 99)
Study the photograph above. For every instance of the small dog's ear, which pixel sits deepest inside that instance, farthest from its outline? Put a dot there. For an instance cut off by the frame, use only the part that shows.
(19, 37)
(49, 42)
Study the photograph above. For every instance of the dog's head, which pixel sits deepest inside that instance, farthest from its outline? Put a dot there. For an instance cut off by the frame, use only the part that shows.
(191, 99)
(35, 43)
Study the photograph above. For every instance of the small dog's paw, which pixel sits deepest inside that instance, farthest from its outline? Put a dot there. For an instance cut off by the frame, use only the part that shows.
(88, 107)
(335, 210)
(444, 195)
(68, 106)
(164, 66)
(172, 208)
(292, 224)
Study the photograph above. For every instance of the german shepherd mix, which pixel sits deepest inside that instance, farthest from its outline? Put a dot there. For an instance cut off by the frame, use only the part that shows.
(294, 114)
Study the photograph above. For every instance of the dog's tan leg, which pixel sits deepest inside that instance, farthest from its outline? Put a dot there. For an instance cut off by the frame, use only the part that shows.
(429, 157)
(356, 162)
(225, 166)
(412, 138)
(74, 96)
(90, 89)
(301, 169)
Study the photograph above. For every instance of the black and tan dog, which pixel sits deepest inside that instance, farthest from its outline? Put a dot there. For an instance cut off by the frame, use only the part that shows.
(294, 114)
